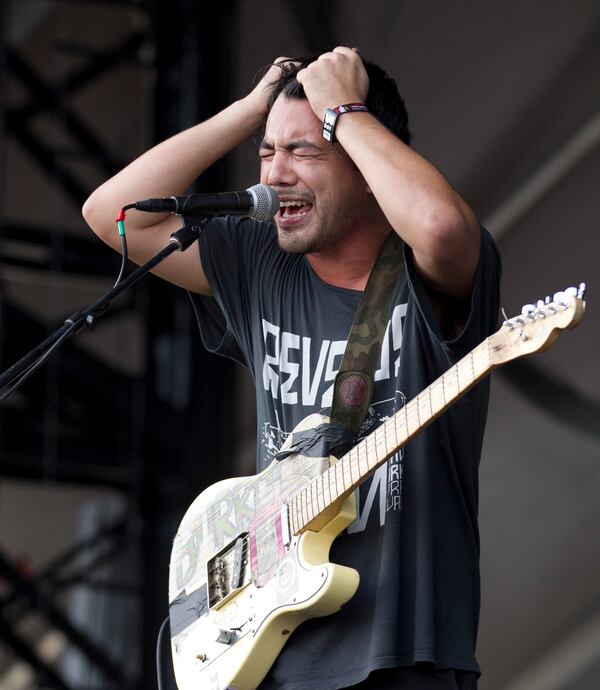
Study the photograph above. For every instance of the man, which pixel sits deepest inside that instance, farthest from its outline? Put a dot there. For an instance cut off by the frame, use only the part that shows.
(281, 298)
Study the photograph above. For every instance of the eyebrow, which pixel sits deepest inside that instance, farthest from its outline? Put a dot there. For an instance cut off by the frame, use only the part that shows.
(294, 144)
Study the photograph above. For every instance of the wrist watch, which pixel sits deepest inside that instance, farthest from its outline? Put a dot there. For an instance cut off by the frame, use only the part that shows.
(332, 114)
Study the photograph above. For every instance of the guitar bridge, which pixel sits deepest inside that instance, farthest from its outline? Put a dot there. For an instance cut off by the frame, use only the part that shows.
(227, 572)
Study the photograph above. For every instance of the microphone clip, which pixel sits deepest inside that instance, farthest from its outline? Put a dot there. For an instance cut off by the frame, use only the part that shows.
(188, 234)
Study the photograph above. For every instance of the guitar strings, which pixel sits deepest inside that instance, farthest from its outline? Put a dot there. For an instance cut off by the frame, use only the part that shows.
(372, 442)
(373, 446)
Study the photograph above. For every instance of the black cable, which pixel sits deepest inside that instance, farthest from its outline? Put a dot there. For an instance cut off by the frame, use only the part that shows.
(159, 669)
(12, 385)
(121, 221)
(123, 260)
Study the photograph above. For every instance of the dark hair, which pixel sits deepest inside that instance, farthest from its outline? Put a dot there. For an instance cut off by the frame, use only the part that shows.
(383, 100)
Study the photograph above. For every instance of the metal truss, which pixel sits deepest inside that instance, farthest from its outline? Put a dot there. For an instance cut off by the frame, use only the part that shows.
(75, 566)
(87, 427)
(108, 428)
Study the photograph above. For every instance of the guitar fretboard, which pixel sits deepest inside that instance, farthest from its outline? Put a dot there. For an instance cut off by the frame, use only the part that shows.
(355, 466)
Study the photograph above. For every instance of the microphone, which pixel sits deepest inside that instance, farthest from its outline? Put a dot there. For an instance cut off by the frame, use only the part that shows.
(259, 202)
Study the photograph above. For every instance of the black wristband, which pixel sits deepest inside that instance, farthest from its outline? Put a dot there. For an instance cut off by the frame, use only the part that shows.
(331, 117)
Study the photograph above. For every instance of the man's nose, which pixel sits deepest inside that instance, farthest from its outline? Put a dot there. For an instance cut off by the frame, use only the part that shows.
(280, 170)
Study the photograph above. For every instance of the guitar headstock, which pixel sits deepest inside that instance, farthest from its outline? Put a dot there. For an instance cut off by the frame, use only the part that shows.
(538, 325)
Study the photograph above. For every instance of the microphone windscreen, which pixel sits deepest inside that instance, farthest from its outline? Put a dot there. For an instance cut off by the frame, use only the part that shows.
(266, 202)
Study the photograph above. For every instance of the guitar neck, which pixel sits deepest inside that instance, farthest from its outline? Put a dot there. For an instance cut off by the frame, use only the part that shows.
(354, 467)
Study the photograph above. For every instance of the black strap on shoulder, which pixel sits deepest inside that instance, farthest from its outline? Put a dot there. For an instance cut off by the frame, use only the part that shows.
(354, 382)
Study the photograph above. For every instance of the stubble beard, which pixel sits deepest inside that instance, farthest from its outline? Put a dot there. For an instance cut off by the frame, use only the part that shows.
(319, 236)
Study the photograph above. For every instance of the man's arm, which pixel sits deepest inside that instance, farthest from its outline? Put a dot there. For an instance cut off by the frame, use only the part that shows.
(169, 169)
(415, 197)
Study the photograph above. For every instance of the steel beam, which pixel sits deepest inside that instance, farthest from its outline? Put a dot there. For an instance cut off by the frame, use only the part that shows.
(58, 620)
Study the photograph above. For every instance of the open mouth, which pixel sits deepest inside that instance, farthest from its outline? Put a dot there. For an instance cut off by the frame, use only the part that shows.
(293, 211)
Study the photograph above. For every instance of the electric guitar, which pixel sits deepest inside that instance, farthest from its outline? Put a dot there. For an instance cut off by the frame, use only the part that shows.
(250, 560)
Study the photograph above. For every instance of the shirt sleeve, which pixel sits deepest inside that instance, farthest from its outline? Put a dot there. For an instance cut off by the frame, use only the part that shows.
(482, 318)
(231, 252)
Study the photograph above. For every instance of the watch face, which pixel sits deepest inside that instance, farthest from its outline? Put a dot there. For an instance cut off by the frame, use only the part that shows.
(330, 117)
(329, 124)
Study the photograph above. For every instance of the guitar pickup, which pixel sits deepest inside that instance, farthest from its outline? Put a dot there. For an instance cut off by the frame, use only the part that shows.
(227, 571)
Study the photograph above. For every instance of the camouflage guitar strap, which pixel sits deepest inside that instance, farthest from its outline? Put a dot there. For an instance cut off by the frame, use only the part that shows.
(353, 386)
(354, 382)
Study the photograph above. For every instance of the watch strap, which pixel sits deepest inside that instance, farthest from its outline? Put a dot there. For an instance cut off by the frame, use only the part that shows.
(332, 114)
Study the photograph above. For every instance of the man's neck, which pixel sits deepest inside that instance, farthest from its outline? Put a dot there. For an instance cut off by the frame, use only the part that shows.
(349, 264)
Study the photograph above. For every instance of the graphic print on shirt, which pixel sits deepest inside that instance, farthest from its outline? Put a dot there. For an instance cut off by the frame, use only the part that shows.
(295, 372)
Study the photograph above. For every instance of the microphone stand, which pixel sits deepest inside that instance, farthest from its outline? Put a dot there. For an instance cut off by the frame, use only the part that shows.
(179, 241)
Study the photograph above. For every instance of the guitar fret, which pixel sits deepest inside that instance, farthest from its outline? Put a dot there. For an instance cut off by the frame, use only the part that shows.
(393, 426)
(303, 508)
(297, 517)
(319, 494)
(318, 502)
(365, 458)
(298, 512)
(385, 445)
(319, 498)
(371, 461)
(311, 508)
(398, 421)
(348, 460)
(344, 481)
(425, 412)
(306, 494)
(408, 418)
(353, 454)
(342, 476)
(290, 512)
(450, 391)
(382, 446)
(464, 373)
(323, 504)
(294, 514)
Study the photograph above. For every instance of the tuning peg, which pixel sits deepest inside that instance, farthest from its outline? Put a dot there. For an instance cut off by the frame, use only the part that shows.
(528, 311)
(541, 308)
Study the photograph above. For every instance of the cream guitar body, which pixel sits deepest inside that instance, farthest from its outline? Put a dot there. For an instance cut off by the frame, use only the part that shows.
(250, 561)
(258, 589)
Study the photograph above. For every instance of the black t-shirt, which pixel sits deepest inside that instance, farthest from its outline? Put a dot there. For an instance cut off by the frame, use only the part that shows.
(415, 541)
